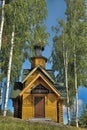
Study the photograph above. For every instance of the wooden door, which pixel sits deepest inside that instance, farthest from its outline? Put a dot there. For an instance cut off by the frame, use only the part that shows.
(39, 107)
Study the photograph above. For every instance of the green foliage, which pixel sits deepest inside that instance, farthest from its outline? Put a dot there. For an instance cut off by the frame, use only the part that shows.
(60, 47)
(28, 17)
(9, 113)
(83, 118)
(69, 32)
(8, 123)
(73, 116)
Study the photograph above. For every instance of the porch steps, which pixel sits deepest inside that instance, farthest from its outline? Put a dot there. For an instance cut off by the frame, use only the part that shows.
(39, 120)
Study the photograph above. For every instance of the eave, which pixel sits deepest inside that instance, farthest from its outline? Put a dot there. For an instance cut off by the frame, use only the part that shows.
(41, 70)
(46, 81)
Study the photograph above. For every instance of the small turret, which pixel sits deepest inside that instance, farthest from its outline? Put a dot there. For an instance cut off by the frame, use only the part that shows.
(38, 50)
(38, 59)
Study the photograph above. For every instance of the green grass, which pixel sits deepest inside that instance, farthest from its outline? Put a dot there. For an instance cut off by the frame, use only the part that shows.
(10, 123)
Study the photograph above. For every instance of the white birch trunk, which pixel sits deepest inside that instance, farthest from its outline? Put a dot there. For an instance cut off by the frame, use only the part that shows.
(65, 56)
(76, 88)
(67, 91)
(9, 73)
(0, 99)
(2, 23)
(1, 31)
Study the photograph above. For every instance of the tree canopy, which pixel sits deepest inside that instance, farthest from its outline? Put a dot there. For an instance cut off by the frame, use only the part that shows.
(71, 40)
(29, 19)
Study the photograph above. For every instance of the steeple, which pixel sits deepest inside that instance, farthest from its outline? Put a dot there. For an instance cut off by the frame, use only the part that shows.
(38, 50)
(38, 59)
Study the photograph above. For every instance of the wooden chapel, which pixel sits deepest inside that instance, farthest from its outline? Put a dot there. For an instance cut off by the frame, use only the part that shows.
(38, 95)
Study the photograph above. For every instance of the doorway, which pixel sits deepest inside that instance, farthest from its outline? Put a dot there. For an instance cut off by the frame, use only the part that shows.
(39, 107)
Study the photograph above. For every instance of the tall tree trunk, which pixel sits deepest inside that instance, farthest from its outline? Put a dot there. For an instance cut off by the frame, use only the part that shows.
(1, 31)
(65, 56)
(2, 23)
(67, 91)
(0, 99)
(9, 72)
(76, 88)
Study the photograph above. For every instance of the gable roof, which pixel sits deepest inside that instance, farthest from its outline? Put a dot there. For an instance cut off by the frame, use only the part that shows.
(61, 88)
(45, 80)
(57, 88)
(42, 70)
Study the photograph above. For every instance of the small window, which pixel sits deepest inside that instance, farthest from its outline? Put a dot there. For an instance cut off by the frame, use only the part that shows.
(40, 89)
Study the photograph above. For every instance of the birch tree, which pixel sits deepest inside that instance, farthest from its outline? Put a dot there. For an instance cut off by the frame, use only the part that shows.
(9, 71)
(76, 87)
(65, 51)
(60, 56)
(75, 33)
(76, 24)
(0, 100)
(1, 31)
(2, 23)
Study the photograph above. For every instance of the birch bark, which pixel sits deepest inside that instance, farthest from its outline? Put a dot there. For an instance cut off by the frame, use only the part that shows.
(67, 88)
(9, 72)
(65, 56)
(2, 23)
(1, 31)
(76, 88)
(0, 99)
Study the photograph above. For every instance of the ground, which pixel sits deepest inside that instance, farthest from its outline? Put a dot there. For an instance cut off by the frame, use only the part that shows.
(10, 123)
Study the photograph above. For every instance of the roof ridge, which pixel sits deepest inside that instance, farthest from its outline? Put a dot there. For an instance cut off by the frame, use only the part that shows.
(44, 71)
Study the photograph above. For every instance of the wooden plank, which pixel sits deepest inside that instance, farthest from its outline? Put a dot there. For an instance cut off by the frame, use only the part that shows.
(39, 107)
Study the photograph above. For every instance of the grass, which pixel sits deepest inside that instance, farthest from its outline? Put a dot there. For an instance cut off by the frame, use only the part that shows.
(10, 123)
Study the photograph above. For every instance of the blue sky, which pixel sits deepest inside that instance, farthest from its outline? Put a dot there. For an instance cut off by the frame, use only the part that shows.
(56, 10)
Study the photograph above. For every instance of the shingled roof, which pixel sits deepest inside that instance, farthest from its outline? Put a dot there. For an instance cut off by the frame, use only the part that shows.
(18, 86)
(61, 88)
